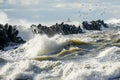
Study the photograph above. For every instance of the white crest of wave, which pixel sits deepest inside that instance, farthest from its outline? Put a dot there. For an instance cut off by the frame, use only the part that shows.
(76, 23)
(43, 45)
(113, 21)
(3, 17)
(25, 32)
(108, 51)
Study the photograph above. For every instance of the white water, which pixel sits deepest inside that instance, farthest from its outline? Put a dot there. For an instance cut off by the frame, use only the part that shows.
(102, 64)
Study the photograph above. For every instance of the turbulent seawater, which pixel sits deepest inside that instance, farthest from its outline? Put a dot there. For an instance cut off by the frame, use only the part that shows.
(94, 55)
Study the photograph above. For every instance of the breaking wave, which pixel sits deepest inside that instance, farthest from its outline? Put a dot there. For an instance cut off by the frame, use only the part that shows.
(94, 55)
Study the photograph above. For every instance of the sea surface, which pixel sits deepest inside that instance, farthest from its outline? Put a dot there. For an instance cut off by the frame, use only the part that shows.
(94, 55)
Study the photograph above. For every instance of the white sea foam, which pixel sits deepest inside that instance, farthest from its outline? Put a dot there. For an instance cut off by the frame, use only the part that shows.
(113, 21)
(103, 64)
(25, 32)
(108, 51)
(43, 45)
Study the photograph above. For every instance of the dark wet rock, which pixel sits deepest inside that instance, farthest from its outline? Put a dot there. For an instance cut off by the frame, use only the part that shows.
(9, 34)
(94, 25)
(62, 28)
(66, 29)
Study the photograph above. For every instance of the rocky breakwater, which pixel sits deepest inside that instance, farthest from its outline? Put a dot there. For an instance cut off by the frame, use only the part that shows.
(62, 28)
(66, 29)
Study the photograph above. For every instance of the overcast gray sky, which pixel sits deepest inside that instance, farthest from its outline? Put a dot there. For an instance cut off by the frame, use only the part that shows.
(58, 10)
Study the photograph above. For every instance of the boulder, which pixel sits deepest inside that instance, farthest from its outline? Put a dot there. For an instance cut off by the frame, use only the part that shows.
(62, 28)
(94, 25)
(66, 29)
(9, 34)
